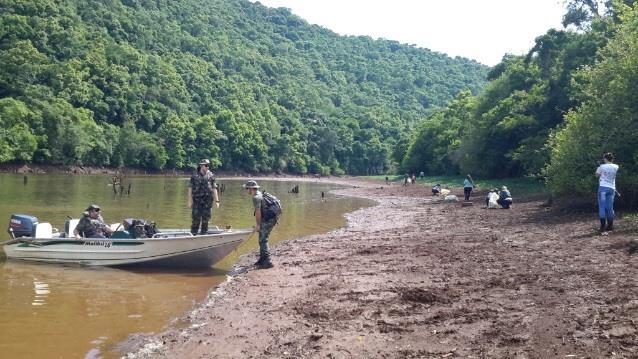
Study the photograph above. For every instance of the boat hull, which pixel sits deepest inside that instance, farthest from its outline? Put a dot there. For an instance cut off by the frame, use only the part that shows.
(163, 251)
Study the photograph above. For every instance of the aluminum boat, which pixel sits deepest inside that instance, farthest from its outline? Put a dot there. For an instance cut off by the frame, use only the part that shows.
(166, 248)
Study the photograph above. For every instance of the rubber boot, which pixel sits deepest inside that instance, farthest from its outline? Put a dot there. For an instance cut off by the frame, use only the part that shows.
(204, 228)
(610, 225)
(602, 225)
(260, 261)
(266, 263)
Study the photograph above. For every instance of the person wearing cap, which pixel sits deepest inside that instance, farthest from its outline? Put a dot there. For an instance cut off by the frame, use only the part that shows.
(92, 225)
(504, 198)
(262, 225)
(202, 192)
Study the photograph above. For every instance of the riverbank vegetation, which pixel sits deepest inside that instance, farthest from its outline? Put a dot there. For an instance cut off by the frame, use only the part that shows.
(160, 84)
(551, 113)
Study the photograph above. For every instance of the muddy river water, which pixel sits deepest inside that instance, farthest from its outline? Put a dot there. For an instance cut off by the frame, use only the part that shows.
(53, 311)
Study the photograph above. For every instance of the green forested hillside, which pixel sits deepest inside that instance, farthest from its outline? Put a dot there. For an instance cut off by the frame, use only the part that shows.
(163, 83)
(550, 113)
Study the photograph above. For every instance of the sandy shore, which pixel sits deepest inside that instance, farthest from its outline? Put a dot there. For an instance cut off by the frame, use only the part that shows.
(417, 278)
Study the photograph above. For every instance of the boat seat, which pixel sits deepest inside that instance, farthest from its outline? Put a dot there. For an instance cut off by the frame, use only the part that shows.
(43, 230)
(70, 227)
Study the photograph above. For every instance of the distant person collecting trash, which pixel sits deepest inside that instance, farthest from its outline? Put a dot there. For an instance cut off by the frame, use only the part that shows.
(267, 211)
(202, 191)
(92, 225)
(504, 198)
(436, 190)
(606, 173)
(468, 186)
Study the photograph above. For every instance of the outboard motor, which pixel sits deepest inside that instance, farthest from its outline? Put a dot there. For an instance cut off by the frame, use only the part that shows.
(22, 225)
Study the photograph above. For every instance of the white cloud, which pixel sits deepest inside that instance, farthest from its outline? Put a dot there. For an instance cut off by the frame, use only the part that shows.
(479, 29)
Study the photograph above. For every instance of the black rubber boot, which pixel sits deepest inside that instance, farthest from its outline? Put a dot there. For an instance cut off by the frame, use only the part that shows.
(260, 261)
(266, 263)
(204, 228)
(610, 225)
(602, 225)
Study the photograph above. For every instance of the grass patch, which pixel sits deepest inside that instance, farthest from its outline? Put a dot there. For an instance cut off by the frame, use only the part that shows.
(631, 218)
(519, 185)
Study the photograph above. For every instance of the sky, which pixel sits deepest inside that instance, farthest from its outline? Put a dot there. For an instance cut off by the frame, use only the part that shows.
(483, 30)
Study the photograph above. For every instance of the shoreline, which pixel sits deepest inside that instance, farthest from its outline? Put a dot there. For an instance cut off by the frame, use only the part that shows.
(30, 169)
(413, 277)
(140, 345)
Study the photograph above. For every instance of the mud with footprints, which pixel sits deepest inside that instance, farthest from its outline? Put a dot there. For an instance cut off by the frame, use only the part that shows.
(415, 277)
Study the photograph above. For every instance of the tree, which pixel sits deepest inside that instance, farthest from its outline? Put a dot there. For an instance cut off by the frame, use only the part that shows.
(242, 146)
(606, 121)
(204, 145)
(178, 138)
(434, 149)
(286, 95)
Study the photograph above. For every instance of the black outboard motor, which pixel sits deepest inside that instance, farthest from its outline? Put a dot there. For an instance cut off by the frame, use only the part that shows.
(22, 225)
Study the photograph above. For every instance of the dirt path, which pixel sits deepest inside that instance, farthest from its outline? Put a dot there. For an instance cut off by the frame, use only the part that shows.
(417, 278)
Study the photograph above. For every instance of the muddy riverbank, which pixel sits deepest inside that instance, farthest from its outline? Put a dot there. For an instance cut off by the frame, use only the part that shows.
(416, 278)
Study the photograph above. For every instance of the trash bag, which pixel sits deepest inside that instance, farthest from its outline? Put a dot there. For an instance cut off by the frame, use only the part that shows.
(492, 200)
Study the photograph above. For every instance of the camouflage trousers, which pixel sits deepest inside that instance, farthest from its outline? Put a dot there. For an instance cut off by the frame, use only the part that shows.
(264, 232)
(200, 215)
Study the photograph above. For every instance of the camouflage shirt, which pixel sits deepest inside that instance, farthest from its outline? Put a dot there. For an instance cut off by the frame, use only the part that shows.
(257, 198)
(202, 187)
(89, 227)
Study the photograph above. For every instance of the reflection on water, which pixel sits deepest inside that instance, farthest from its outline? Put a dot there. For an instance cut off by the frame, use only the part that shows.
(41, 291)
(72, 311)
(79, 308)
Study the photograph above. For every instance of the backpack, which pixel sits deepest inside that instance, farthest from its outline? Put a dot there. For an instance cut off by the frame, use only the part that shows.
(270, 206)
(139, 228)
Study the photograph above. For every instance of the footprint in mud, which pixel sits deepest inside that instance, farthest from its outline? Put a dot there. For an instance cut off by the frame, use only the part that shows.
(418, 295)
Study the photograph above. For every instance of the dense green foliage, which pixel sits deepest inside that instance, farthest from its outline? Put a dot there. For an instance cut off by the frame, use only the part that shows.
(606, 121)
(438, 138)
(162, 83)
(506, 127)
(550, 113)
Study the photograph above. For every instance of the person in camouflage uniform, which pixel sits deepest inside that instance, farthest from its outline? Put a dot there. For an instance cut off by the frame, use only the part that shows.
(202, 191)
(262, 225)
(91, 224)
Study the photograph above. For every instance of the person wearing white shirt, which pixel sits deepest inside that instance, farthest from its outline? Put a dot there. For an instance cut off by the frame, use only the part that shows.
(606, 173)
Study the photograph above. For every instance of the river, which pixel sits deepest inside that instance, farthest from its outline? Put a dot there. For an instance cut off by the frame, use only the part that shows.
(57, 311)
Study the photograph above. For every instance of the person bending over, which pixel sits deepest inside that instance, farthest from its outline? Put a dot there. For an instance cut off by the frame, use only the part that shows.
(264, 223)
(504, 198)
